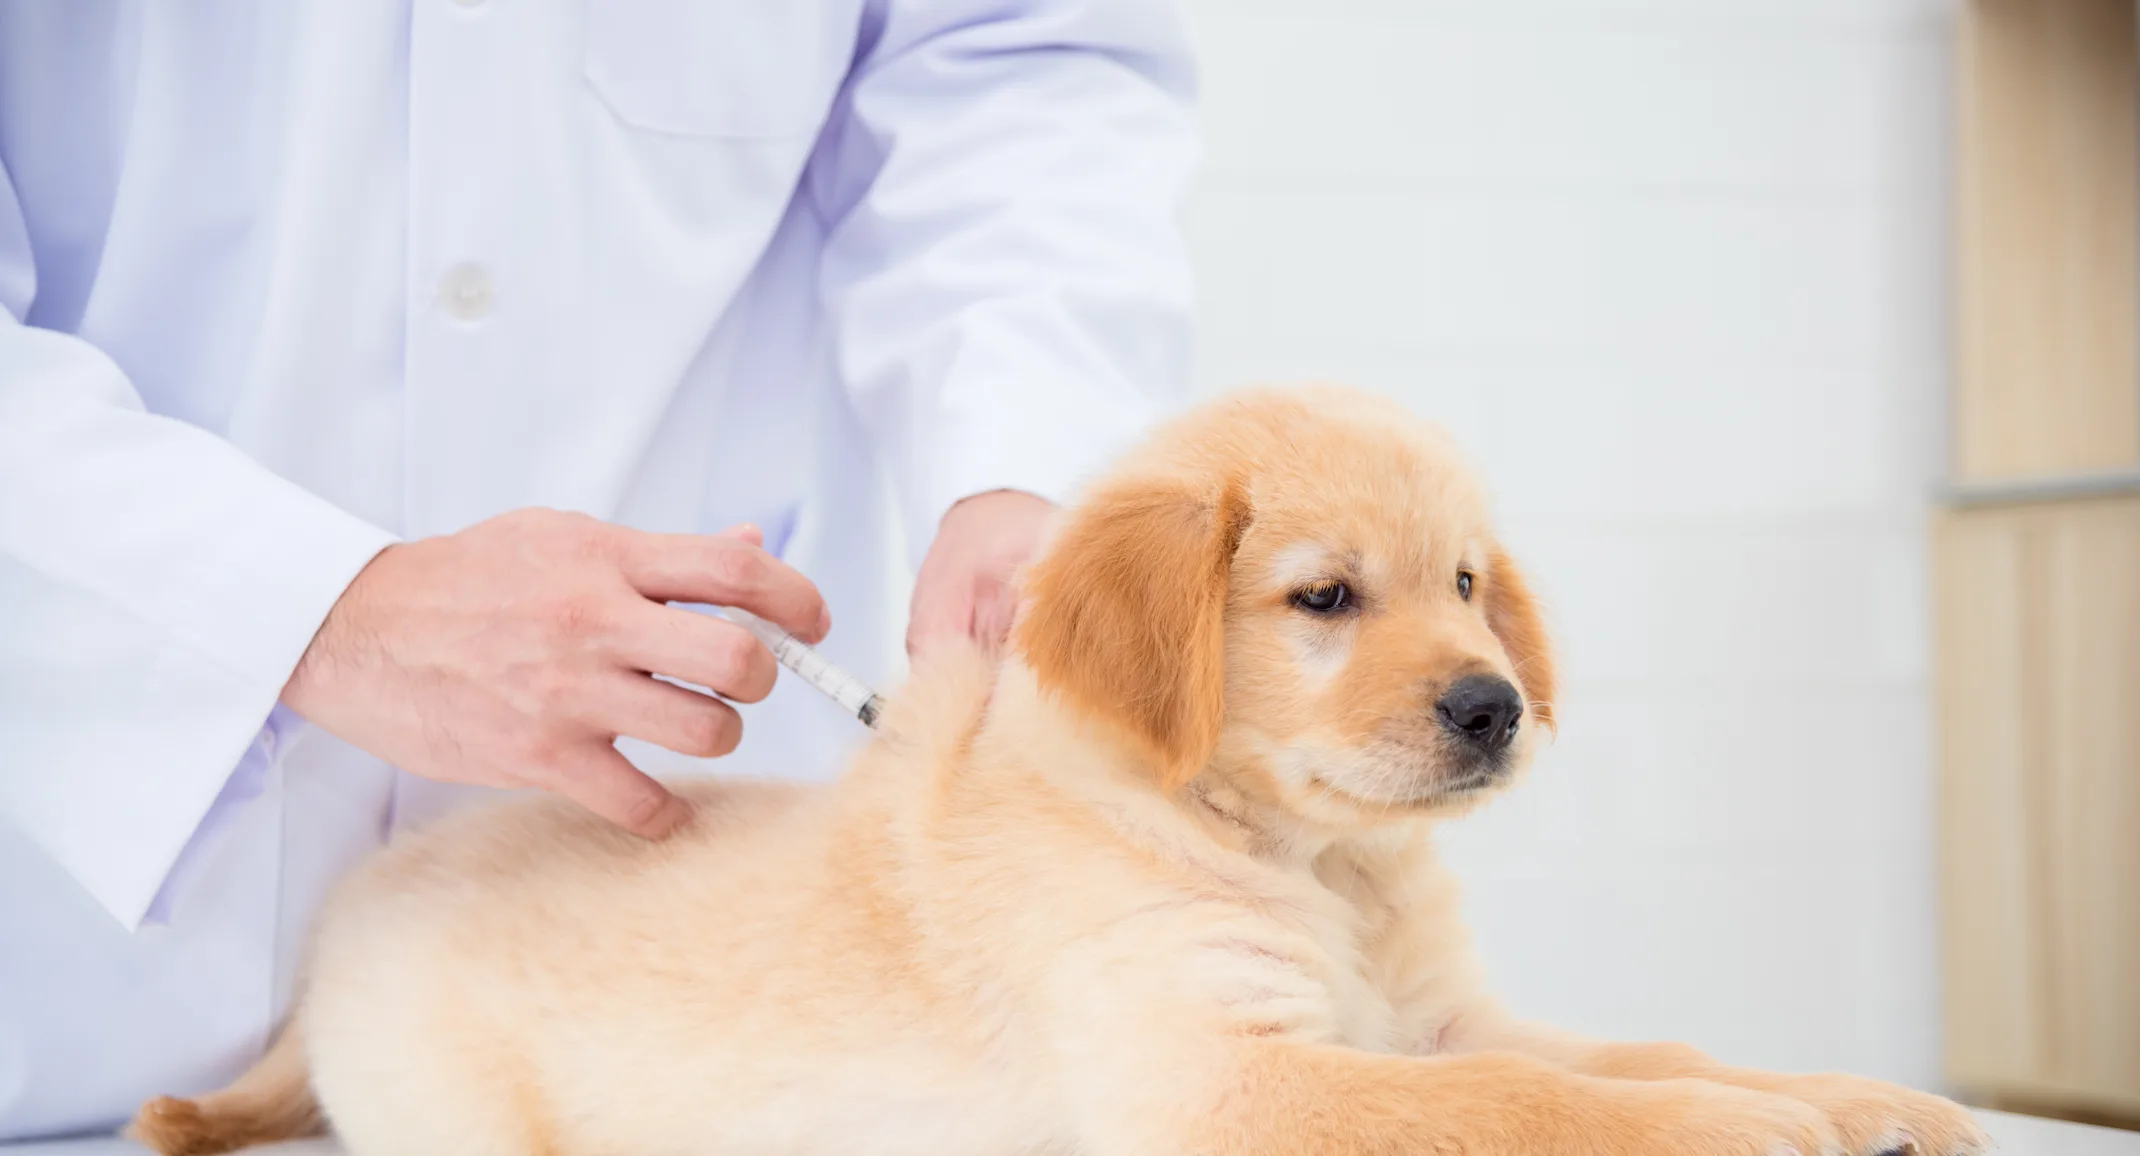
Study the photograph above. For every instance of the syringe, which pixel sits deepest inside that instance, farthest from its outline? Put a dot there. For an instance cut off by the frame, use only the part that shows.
(814, 668)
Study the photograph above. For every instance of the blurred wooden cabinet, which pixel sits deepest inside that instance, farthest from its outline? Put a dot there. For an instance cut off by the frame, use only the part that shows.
(2037, 564)
(2039, 620)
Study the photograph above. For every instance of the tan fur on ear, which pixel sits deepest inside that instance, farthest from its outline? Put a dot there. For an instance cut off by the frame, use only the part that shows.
(1512, 613)
(1125, 615)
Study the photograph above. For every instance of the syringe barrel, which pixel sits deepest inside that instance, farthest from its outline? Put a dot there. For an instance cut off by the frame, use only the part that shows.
(841, 687)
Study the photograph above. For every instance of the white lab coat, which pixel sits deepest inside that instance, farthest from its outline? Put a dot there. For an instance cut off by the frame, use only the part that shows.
(281, 283)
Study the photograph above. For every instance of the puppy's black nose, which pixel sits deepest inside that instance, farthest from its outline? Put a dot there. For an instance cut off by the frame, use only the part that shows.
(1482, 710)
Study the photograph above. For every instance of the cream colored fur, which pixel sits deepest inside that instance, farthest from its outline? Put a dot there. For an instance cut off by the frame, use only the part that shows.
(1162, 882)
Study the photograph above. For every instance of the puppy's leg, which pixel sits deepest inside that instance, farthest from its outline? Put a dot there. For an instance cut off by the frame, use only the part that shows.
(394, 1087)
(1871, 1116)
(432, 1113)
(1281, 1096)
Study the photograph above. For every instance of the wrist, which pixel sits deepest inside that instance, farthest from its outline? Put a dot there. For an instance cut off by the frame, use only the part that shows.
(329, 645)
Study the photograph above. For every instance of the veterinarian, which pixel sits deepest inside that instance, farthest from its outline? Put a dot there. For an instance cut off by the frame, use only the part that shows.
(317, 319)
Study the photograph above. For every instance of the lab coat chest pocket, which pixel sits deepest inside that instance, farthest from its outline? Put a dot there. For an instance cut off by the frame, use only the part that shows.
(750, 69)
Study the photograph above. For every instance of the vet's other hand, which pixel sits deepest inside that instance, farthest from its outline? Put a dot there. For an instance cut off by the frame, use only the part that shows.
(514, 653)
(965, 587)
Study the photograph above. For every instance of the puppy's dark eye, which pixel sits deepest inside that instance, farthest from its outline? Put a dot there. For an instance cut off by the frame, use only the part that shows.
(1463, 584)
(1323, 598)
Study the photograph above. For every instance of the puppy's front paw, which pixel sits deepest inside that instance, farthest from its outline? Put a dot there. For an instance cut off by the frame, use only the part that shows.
(1875, 1117)
(1690, 1117)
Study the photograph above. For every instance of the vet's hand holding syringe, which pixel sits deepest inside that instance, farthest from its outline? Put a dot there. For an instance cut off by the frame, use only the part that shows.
(514, 653)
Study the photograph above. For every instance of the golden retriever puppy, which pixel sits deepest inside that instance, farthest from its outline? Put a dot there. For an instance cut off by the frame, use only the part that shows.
(1161, 882)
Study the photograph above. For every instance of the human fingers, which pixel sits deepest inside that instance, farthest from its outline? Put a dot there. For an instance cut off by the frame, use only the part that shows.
(995, 608)
(596, 777)
(697, 648)
(725, 571)
(670, 716)
(942, 609)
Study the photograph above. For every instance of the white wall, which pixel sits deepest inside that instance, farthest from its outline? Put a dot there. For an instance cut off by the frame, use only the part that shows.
(1674, 270)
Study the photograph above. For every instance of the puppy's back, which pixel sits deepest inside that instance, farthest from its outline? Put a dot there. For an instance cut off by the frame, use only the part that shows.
(518, 970)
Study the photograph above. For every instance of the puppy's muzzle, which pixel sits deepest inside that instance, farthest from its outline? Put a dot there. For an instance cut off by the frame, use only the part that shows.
(1482, 712)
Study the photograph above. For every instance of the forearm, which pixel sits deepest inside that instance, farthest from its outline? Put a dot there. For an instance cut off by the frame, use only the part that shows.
(1280, 1095)
(156, 588)
(1493, 1031)
(1318, 1098)
(1006, 279)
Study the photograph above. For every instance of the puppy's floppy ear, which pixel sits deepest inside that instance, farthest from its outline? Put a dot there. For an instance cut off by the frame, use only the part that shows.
(1512, 614)
(1125, 614)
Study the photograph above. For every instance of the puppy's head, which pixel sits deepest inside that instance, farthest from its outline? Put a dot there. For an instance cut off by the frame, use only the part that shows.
(1299, 590)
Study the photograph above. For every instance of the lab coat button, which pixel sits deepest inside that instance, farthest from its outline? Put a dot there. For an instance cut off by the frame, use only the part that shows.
(466, 292)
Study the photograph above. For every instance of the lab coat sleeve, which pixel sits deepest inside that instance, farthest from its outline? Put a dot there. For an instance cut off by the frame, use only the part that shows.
(1005, 274)
(157, 586)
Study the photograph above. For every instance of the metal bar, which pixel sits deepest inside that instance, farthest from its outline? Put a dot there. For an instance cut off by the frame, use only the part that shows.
(2052, 489)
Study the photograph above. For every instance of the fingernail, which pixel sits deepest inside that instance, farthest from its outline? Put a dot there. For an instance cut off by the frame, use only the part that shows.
(824, 621)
